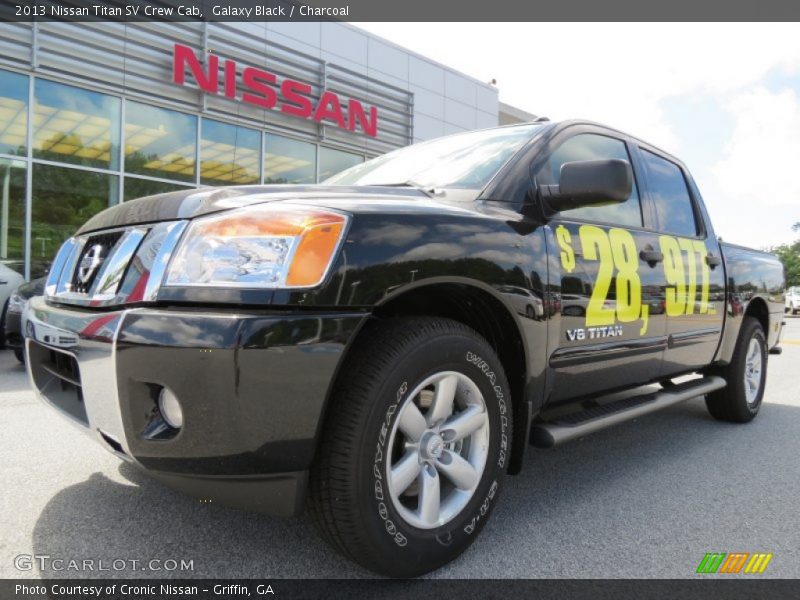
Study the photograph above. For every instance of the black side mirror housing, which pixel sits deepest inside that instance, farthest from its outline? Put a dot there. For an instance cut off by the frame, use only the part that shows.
(589, 183)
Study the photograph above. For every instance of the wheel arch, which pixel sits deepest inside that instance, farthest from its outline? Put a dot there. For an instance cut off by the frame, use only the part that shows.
(480, 307)
(756, 308)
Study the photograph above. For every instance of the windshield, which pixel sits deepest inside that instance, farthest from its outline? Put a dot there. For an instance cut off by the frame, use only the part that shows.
(465, 160)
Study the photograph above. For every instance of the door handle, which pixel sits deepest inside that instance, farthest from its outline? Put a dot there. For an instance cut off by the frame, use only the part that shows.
(651, 256)
(3, 282)
(713, 261)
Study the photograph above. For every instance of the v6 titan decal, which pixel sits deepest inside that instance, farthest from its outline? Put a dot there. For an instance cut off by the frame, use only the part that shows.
(618, 270)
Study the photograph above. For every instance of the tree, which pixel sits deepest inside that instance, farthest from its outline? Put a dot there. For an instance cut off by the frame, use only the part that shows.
(790, 257)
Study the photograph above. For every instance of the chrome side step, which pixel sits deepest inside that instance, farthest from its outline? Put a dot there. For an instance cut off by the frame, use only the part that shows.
(546, 434)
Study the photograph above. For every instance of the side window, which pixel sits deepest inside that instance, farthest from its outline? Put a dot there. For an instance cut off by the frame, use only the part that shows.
(590, 146)
(673, 204)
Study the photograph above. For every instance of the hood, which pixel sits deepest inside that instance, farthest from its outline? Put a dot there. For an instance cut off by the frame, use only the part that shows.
(195, 202)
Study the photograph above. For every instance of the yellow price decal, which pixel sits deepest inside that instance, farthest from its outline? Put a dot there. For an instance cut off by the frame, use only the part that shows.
(616, 253)
(681, 275)
(567, 253)
(618, 265)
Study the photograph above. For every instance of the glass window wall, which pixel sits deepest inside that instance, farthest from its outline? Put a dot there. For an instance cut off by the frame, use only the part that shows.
(13, 112)
(289, 161)
(333, 161)
(73, 125)
(229, 154)
(160, 142)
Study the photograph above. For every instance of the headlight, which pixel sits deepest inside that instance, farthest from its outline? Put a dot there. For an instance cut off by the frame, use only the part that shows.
(264, 246)
(16, 303)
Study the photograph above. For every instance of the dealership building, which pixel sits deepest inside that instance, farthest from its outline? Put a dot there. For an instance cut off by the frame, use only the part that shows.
(93, 114)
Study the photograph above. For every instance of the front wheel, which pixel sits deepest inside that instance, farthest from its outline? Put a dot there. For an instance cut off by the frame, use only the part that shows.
(415, 446)
(746, 376)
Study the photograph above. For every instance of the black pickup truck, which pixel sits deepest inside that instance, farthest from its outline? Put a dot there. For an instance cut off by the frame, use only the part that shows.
(382, 348)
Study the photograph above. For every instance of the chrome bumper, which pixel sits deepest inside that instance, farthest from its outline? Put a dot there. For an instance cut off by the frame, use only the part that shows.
(71, 363)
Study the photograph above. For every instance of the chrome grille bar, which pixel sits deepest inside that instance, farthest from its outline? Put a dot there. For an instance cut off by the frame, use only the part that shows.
(109, 278)
(171, 233)
(57, 268)
(65, 280)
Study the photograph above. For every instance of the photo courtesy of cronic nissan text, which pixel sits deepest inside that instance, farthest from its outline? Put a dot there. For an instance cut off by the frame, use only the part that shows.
(298, 298)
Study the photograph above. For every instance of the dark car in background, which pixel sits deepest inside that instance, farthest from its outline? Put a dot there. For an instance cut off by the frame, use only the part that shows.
(15, 339)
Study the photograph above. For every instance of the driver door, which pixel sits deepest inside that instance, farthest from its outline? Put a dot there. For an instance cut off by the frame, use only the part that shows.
(611, 327)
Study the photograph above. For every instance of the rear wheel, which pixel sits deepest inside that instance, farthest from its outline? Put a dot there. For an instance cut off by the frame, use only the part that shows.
(20, 354)
(746, 375)
(415, 446)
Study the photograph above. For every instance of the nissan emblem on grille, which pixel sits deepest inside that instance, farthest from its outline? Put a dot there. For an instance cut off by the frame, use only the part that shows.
(90, 262)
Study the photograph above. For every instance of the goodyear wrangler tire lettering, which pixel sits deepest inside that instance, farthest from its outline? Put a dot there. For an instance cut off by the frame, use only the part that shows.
(366, 497)
(383, 511)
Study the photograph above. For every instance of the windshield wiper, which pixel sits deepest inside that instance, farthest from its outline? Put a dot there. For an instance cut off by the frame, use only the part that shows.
(429, 191)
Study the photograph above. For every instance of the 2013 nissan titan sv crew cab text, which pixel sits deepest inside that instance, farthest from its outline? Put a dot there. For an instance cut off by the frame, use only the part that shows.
(382, 348)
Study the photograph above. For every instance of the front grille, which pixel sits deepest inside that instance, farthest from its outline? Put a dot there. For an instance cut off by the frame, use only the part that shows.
(90, 261)
(113, 267)
(58, 378)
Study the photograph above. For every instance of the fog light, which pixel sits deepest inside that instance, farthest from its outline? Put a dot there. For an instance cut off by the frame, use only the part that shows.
(170, 408)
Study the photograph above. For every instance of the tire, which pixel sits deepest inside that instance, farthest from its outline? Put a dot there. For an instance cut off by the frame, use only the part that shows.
(373, 406)
(740, 400)
(20, 355)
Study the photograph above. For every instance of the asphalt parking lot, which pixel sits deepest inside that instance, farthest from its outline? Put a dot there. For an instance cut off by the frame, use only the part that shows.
(644, 499)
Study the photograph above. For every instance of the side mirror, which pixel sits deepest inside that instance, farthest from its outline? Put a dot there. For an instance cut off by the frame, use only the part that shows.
(590, 183)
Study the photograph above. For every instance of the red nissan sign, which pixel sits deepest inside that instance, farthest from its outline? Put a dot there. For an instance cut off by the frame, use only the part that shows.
(291, 97)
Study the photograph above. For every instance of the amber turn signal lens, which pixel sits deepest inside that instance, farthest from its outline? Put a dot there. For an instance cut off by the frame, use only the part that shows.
(314, 253)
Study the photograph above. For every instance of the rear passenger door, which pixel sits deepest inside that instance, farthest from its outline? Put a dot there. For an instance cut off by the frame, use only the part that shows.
(611, 332)
(694, 283)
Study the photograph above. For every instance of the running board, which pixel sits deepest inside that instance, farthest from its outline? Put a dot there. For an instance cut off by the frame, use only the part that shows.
(546, 434)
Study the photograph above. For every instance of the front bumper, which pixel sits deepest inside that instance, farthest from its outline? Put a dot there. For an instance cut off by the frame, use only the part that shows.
(252, 386)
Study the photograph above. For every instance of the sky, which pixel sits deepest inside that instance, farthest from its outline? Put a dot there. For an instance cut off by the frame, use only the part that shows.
(724, 98)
